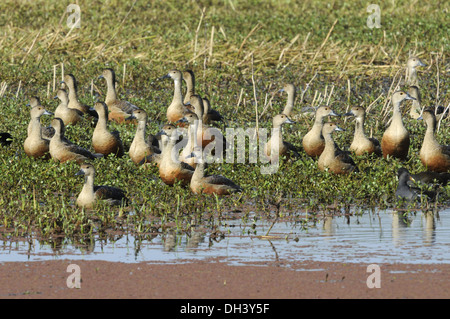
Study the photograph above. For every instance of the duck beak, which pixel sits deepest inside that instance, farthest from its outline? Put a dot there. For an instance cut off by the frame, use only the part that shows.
(55, 97)
(281, 90)
(421, 63)
(339, 129)
(420, 118)
(28, 104)
(47, 113)
(191, 155)
(101, 77)
(80, 172)
(409, 97)
(183, 120)
(348, 114)
(332, 113)
(165, 76)
(131, 117)
(289, 121)
(161, 133)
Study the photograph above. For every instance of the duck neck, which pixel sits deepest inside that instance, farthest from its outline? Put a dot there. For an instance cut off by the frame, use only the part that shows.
(88, 187)
(140, 130)
(177, 94)
(431, 128)
(329, 144)
(35, 127)
(397, 115)
(289, 103)
(359, 127)
(102, 120)
(199, 171)
(190, 87)
(73, 95)
(111, 95)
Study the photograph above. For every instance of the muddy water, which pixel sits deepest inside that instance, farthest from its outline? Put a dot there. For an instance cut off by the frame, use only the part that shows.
(381, 237)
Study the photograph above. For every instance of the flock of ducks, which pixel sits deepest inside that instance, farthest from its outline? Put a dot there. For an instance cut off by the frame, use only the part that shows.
(190, 110)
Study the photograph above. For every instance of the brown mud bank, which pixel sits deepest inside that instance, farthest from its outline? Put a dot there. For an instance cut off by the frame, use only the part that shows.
(213, 279)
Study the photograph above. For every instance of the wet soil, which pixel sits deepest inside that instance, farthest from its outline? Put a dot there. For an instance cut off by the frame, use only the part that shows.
(213, 279)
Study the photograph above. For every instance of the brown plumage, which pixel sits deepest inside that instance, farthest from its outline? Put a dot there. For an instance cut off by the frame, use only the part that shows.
(63, 150)
(171, 169)
(74, 102)
(395, 141)
(119, 110)
(313, 142)
(35, 145)
(332, 158)
(177, 109)
(90, 193)
(209, 184)
(362, 144)
(46, 131)
(434, 157)
(276, 140)
(104, 141)
(140, 148)
(64, 112)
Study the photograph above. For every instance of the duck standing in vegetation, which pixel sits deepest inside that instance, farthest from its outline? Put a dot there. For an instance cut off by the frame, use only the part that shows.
(119, 110)
(177, 109)
(74, 102)
(434, 157)
(209, 184)
(362, 144)
(332, 158)
(104, 141)
(141, 148)
(35, 145)
(171, 169)
(314, 142)
(63, 150)
(395, 141)
(68, 115)
(90, 193)
(277, 142)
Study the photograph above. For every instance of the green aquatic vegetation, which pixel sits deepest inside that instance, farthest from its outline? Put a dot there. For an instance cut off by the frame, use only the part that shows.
(354, 65)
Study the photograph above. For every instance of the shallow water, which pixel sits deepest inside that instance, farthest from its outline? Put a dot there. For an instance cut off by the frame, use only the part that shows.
(381, 237)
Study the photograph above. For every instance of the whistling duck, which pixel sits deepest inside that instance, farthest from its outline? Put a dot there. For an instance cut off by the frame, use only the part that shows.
(189, 79)
(313, 142)
(63, 150)
(395, 141)
(35, 145)
(177, 109)
(416, 108)
(90, 194)
(407, 192)
(193, 139)
(411, 73)
(276, 140)
(335, 160)
(68, 115)
(434, 156)
(46, 131)
(104, 141)
(210, 115)
(5, 139)
(428, 177)
(210, 184)
(74, 102)
(119, 110)
(171, 169)
(362, 144)
(140, 148)
(290, 90)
